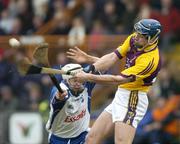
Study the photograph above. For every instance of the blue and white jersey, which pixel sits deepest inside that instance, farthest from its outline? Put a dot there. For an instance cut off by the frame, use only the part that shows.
(71, 117)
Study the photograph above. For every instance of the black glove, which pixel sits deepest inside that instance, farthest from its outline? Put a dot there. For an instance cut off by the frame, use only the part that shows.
(89, 68)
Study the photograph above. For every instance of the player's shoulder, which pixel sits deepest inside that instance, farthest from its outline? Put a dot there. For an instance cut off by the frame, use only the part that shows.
(129, 42)
(130, 37)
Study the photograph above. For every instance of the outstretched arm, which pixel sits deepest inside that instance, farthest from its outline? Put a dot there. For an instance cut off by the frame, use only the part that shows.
(100, 64)
(80, 56)
(105, 62)
(103, 79)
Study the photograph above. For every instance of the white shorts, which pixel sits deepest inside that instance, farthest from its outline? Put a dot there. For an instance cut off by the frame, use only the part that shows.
(128, 106)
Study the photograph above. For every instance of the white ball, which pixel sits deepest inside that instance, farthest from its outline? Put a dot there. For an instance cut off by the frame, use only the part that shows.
(14, 43)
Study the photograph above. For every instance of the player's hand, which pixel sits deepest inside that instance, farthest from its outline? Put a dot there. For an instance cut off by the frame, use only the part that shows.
(77, 55)
(61, 96)
(81, 76)
(131, 78)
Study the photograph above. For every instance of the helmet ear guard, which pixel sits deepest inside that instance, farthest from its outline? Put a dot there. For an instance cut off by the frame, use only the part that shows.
(149, 27)
(154, 38)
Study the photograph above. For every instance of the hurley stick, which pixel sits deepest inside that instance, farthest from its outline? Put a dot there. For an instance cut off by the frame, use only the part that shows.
(40, 54)
(25, 67)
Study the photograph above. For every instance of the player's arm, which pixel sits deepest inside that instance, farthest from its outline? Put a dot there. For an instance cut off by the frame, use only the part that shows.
(57, 96)
(105, 62)
(108, 60)
(109, 79)
(103, 79)
(61, 96)
(100, 64)
(80, 56)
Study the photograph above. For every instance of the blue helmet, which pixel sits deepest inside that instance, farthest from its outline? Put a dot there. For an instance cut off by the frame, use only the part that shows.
(149, 27)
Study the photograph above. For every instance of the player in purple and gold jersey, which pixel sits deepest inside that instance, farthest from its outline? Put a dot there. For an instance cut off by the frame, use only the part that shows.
(130, 102)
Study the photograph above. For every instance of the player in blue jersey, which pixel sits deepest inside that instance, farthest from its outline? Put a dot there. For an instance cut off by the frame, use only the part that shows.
(70, 111)
(69, 116)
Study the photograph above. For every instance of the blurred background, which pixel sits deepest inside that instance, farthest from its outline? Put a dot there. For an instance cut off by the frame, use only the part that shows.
(97, 27)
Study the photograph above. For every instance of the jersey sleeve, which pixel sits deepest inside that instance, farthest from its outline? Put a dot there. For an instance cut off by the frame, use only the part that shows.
(90, 87)
(53, 100)
(53, 93)
(124, 48)
(141, 69)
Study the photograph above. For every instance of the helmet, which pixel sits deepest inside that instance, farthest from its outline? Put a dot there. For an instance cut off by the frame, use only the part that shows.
(70, 67)
(149, 27)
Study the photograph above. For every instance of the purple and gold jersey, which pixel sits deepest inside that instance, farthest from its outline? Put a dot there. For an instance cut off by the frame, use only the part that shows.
(145, 64)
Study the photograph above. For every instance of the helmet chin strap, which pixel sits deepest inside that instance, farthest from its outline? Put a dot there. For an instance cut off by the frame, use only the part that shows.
(154, 38)
(146, 45)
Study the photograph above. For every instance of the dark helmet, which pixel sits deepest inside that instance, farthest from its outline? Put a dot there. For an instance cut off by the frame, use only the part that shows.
(149, 27)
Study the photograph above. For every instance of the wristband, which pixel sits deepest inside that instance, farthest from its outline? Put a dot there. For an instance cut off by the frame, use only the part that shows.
(89, 68)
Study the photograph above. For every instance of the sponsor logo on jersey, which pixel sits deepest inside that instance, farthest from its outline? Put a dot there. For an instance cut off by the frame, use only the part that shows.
(76, 117)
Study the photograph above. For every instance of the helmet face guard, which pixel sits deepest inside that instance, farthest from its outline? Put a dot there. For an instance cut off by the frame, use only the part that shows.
(73, 68)
(150, 28)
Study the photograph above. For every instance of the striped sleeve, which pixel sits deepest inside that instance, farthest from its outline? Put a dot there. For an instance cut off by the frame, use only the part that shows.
(124, 48)
(53, 93)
